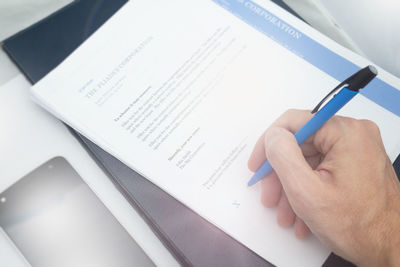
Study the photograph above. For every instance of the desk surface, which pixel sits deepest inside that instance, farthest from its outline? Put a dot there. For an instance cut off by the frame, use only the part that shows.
(8, 70)
(31, 137)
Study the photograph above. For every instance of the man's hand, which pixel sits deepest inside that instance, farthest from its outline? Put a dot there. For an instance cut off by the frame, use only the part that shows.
(339, 184)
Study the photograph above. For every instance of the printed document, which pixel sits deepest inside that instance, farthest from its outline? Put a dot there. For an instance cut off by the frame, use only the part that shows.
(180, 91)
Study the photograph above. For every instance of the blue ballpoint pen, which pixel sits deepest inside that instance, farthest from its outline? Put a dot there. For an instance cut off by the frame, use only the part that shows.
(354, 84)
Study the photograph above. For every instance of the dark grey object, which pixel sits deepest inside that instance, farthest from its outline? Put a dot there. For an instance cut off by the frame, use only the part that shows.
(55, 219)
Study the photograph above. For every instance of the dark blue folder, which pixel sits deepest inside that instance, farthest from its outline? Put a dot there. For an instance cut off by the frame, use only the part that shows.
(40, 48)
(190, 238)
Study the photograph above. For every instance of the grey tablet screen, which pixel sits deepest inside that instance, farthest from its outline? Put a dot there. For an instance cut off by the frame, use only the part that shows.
(55, 219)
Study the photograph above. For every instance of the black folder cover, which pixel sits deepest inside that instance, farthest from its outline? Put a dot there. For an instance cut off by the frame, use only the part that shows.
(190, 238)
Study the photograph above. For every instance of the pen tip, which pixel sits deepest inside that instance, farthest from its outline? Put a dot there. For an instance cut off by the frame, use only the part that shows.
(252, 181)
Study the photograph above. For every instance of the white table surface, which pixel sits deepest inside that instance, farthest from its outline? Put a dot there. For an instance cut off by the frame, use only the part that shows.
(374, 26)
(30, 136)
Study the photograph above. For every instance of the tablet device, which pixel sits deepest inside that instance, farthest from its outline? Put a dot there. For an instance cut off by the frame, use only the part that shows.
(54, 219)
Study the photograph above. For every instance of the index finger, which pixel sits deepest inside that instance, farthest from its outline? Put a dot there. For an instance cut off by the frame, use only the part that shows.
(291, 120)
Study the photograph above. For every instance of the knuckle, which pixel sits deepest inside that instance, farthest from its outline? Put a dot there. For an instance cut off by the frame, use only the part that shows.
(337, 123)
(287, 115)
(362, 129)
(350, 123)
(371, 126)
(274, 139)
(292, 112)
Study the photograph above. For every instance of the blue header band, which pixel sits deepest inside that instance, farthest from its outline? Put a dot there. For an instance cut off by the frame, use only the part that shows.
(316, 54)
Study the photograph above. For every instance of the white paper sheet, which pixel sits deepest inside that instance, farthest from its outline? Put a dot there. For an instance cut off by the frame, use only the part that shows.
(180, 91)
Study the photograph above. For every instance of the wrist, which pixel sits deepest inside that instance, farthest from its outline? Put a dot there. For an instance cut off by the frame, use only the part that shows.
(391, 224)
(393, 258)
(392, 241)
(385, 240)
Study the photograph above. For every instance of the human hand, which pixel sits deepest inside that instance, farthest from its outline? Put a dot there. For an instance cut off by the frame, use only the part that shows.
(340, 184)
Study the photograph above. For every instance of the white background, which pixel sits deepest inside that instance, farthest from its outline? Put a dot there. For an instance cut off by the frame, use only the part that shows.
(373, 25)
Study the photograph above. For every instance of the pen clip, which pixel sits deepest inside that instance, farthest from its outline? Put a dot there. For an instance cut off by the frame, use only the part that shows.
(315, 110)
(355, 82)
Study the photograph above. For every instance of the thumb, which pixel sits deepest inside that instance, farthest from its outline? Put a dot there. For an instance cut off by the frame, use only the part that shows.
(287, 160)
